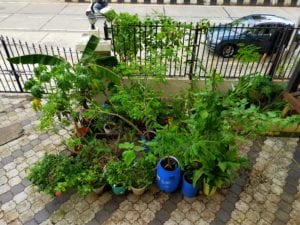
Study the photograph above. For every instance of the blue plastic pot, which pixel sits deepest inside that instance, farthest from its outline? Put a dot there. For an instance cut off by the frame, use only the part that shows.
(146, 140)
(168, 180)
(187, 189)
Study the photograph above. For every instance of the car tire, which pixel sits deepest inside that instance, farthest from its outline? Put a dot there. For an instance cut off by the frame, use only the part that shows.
(228, 50)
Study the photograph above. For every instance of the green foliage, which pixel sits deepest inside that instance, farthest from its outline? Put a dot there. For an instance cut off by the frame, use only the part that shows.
(138, 103)
(58, 172)
(54, 173)
(258, 90)
(72, 87)
(248, 53)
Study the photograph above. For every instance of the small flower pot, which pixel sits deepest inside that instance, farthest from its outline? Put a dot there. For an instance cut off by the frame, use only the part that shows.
(209, 190)
(118, 190)
(110, 128)
(138, 191)
(99, 190)
(188, 189)
(168, 174)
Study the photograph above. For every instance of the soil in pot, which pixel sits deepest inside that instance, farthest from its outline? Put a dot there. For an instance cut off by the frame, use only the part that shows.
(169, 164)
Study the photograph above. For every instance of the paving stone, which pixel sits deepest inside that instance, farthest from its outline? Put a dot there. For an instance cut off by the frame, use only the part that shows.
(5, 197)
(227, 206)
(223, 215)
(140, 206)
(26, 182)
(285, 206)
(111, 206)
(162, 215)
(236, 189)
(101, 216)
(217, 221)
(169, 206)
(155, 222)
(31, 222)
(283, 216)
(23, 206)
(242, 206)
(35, 142)
(147, 216)
(20, 197)
(10, 216)
(14, 181)
(287, 197)
(126, 205)
(17, 189)
(132, 215)
(93, 222)
(7, 160)
(17, 153)
(232, 197)
(41, 216)
(26, 148)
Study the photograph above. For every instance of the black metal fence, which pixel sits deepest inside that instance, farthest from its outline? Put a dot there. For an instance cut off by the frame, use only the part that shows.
(233, 51)
(187, 51)
(13, 76)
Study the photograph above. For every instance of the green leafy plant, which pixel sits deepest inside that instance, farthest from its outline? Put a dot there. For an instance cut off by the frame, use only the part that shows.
(71, 87)
(55, 173)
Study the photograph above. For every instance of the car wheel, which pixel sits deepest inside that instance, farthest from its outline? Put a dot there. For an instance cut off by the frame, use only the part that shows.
(228, 50)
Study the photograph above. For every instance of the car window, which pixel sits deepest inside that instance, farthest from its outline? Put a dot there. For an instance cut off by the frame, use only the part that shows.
(263, 29)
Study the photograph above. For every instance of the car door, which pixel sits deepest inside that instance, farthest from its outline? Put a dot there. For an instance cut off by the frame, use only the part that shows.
(261, 36)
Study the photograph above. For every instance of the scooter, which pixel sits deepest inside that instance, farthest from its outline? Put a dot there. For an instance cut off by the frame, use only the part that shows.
(97, 9)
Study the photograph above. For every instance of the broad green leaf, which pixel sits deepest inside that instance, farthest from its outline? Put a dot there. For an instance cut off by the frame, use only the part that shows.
(126, 145)
(90, 46)
(197, 175)
(105, 73)
(37, 59)
(128, 157)
(108, 61)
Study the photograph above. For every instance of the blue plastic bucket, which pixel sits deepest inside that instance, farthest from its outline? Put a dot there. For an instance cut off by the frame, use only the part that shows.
(187, 189)
(168, 180)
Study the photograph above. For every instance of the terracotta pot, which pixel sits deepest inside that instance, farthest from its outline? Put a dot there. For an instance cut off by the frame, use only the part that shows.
(138, 191)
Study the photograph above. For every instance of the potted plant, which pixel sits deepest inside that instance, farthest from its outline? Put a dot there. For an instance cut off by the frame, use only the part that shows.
(143, 173)
(90, 180)
(117, 176)
(76, 86)
(168, 174)
(188, 189)
(55, 173)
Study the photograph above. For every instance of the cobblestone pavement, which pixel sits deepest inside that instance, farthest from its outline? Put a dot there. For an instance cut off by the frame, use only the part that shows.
(269, 193)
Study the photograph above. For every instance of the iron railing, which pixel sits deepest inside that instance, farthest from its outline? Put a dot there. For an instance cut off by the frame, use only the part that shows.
(192, 55)
(198, 49)
(13, 76)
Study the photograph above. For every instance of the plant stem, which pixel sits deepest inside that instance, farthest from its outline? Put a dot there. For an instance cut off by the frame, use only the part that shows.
(123, 118)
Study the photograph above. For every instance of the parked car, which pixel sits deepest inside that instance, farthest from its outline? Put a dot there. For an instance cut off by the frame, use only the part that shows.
(265, 31)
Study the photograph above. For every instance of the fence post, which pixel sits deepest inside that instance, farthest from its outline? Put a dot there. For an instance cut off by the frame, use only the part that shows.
(106, 33)
(12, 65)
(194, 53)
(295, 79)
(282, 46)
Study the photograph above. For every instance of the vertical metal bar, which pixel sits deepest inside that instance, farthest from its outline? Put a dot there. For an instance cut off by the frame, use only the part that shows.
(183, 45)
(12, 65)
(193, 58)
(187, 55)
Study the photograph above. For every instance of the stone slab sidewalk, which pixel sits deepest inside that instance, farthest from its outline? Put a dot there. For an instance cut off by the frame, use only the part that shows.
(269, 193)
